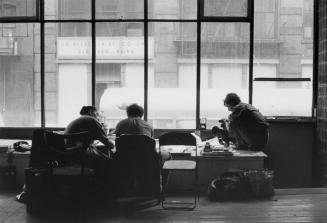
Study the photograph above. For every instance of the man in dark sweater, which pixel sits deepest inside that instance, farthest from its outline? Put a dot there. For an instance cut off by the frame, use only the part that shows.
(246, 124)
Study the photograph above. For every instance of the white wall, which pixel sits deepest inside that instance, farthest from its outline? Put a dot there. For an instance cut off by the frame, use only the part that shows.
(74, 91)
(134, 75)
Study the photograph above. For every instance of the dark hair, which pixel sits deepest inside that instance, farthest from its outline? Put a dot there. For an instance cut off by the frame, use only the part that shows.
(134, 110)
(232, 99)
(87, 110)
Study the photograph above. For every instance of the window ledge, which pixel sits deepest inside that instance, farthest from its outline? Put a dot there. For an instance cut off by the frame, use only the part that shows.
(290, 119)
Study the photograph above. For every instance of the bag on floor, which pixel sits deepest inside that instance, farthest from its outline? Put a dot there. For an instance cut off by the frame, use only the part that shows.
(232, 185)
(239, 184)
(261, 182)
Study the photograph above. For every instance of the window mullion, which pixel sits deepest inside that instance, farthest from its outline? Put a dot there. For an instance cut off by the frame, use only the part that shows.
(198, 63)
(93, 50)
(146, 76)
(42, 55)
(251, 15)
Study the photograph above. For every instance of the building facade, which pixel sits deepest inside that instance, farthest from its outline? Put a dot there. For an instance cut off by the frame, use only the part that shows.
(282, 61)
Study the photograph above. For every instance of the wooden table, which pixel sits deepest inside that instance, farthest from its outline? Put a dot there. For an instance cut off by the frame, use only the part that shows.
(213, 166)
(209, 167)
(20, 160)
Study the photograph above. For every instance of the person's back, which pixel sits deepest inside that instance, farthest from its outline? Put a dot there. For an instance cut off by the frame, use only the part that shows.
(250, 124)
(86, 123)
(79, 124)
(246, 124)
(248, 115)
(134, 124)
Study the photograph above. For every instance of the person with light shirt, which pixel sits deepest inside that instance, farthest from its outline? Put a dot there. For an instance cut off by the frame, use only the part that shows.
(134, 124)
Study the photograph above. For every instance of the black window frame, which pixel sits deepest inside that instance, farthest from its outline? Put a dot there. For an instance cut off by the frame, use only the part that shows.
(40, 18)
(18, 19)
(228, 18)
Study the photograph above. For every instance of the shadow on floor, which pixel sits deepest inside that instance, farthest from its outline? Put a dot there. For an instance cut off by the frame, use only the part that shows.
(69, 210)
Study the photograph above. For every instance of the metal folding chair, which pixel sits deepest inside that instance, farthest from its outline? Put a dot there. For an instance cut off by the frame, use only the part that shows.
(179, 139)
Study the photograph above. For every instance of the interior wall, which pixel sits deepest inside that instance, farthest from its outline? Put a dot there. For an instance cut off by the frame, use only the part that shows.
(322, 94)
(290, 153)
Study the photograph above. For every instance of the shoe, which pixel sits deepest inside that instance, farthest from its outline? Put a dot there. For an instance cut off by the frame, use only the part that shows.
(21, 197)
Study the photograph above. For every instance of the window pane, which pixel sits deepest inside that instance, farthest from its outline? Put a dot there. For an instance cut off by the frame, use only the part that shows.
(67, 9)
(225, 57)
(68, 78)
(119, 69)
(283, 99)
(172, 76)
(308, 20)
(19, 78)
(225, 8)
(120, 9)
(285, 55)
(18, 8)
(266, 13)
(172, 9)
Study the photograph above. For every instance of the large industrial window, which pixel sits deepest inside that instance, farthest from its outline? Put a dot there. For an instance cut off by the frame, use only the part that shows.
(24, 9)
(177, 58)
(282, 66)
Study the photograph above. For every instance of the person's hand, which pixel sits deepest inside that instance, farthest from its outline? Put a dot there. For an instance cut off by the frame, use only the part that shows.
(224, 123)
(216, 131)
(110, 154)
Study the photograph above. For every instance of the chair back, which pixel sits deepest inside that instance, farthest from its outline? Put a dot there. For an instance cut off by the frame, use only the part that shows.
(178, 139)
(52, 156)
(38, 153)
(179, 163)
(62, 147)
(137, 164)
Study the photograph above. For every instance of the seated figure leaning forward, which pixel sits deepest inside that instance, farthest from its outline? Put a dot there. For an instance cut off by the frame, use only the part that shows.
(97, 158)
(246, 124)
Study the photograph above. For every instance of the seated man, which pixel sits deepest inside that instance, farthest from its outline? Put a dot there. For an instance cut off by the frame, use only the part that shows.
(97, 159)
(88, 121)
(134, 124)
(246, 124)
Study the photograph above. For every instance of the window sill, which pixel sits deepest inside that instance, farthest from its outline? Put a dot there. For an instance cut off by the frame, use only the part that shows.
(291, 119)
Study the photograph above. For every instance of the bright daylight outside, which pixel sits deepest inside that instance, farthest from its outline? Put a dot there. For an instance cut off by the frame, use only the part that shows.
(283, 48)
